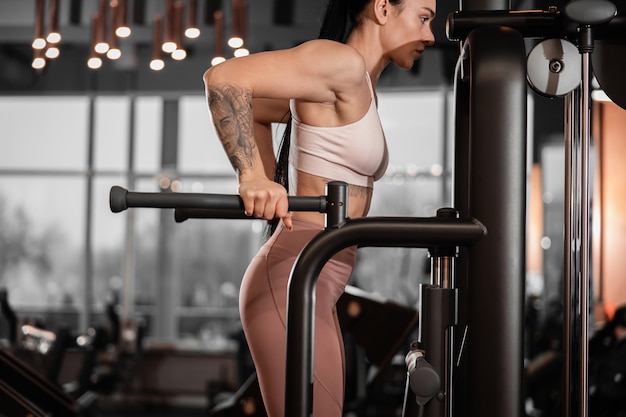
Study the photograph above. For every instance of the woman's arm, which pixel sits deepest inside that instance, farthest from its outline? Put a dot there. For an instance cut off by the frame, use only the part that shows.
(231, 109)
(265, 112)
(316, 71)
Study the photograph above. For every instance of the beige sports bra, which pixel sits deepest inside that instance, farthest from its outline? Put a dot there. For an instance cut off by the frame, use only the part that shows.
(355, 153)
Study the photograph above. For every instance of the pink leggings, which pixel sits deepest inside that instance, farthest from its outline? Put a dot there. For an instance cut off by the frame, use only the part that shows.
(263, 305)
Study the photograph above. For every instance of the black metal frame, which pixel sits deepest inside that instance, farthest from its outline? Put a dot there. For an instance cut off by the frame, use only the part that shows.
(581, 21)
(372, 232)
(492, 275)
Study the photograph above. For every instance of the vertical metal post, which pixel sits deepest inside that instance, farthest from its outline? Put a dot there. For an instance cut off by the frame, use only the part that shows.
(437, 321)
(571, 333)
(585, 251)
(463, 194)
(497, 185)
(443, 271)
(577, 239)
(461, 202)
(586, 13)
(577, 251)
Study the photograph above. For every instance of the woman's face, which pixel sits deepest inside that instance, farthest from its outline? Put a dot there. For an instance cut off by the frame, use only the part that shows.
(408, 31)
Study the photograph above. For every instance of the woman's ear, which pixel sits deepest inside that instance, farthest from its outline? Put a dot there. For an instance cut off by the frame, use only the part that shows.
(381, 11)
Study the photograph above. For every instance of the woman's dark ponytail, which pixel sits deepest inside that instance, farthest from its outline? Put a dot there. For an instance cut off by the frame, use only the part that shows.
(281, 174)
(341, 17)
(335, 23)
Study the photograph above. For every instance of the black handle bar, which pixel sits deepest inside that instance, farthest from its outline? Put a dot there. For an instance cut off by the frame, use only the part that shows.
(181, 214)
(226, 206)
(200, 205)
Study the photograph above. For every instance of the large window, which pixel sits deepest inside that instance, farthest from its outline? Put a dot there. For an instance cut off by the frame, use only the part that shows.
(62, 250)
(42, 200)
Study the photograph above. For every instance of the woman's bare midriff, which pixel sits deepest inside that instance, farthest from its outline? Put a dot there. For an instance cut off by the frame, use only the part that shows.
(359, 198)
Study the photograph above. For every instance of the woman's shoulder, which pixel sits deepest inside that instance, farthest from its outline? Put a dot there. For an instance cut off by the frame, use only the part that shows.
(333, 51)
(327, 44)
(341, 60)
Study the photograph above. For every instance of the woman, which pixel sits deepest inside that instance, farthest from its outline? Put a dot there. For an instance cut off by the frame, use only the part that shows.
(328, 87)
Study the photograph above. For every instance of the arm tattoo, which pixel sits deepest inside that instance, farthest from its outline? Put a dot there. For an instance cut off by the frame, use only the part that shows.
(231, 108)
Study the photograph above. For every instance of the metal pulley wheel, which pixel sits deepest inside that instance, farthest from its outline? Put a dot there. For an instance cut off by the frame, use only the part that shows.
(553, 67)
